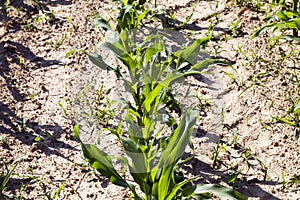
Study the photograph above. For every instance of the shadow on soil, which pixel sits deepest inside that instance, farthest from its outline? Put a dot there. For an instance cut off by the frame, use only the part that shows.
(15, 184)
(12, 52)
(13, 76)
(28, 131)
(234, 178)
(61, 2)
(248, 188)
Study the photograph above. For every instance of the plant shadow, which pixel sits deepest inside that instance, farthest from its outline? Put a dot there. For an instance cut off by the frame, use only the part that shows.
(11, 53)
(207, 174)
(28, 131)
(11, 75)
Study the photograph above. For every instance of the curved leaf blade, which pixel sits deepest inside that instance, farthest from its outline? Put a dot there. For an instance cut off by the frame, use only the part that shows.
(100, 22)
(213, 188)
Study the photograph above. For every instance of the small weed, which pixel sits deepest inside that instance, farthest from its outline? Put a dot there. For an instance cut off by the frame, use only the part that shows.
(216, 151)
(5, 8)
(41, 5)
(74, 26)
(57, 192)
(19, 196)
(285, 21)
(65, 104)
(21, 63)
(249, 159)
(32, 95)
(234, 78)
(22, 124)
(29, 26)
(256, 81)
(104, 111)
(3, 139)
(235, 27)
(6, 175)
(292, 118)
(60, 41)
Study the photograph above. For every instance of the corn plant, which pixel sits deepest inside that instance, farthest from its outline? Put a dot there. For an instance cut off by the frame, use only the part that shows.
(154, 142)
(284, 21)
(131, 14)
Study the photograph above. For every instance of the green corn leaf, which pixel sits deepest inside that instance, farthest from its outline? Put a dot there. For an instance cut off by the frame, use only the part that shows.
(114, 47)
(293, 24)
(102, 162)
(263, 29)
(97, 60)
(284, 120)
(142, 16)
(171, 77)
(285, 16)
(179, 139)
(153, 50)
(126, 2)
(212, 188)
(142, 180)
(138, 158)
(165, 181)
(130, 146)
(297, 109)
(282, 16)
(120, 52)
(76, 131)
(174, 152)
(190, 53)
(69, 53)
(100, 22)
(177, 187)
(138, 169)
(291, 37)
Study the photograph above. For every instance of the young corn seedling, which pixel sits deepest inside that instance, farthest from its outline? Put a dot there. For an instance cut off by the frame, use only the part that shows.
(74, 26)
(284, 21)
(292, 118)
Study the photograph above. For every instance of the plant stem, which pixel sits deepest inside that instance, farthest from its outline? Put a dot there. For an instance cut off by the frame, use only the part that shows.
(295, 5)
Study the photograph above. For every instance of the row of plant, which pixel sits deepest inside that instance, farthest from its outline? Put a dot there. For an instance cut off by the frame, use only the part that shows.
(154, 156)
(282, 27)
(283, 21)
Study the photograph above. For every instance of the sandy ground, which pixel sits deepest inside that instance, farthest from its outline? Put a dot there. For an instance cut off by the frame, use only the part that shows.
(37, 82)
